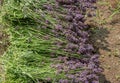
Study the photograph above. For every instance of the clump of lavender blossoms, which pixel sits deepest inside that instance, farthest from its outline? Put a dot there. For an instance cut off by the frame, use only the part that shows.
(77, 70)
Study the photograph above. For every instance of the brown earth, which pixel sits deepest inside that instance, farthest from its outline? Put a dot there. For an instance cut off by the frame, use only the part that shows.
(107, 39)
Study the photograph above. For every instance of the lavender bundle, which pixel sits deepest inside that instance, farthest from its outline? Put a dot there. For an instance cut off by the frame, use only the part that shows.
(77, 70)
(49, 42)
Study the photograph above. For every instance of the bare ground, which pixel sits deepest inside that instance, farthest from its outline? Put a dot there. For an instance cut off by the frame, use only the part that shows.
(110, 59)
(107, 39)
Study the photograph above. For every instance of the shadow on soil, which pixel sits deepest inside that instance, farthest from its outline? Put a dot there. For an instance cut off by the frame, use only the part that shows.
(98, 39)
(103, 79)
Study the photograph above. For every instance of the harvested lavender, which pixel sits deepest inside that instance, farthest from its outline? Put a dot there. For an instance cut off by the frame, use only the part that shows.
(77, 70)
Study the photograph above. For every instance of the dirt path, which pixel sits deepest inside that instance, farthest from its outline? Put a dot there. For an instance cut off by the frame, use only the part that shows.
(107, 39)
(110, 59)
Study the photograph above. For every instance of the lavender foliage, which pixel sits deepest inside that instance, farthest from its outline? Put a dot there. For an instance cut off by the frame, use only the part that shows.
(77, 70)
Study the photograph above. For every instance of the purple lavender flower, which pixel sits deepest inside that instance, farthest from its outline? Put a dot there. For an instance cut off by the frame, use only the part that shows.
(95, 81)
(63, 81)
(79, 17)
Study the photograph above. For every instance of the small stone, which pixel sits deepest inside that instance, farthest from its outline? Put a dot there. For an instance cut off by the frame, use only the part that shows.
(117, 77)
(102, 56)
(108, 67)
